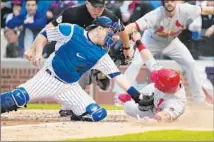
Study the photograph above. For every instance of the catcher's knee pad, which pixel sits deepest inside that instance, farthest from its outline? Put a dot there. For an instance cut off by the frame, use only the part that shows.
(14, 99)
(97, 112)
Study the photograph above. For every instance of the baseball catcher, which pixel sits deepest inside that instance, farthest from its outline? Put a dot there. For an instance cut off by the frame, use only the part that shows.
(78, 51)
(86, 14)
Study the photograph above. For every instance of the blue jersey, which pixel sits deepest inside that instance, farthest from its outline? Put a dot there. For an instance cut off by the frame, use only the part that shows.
(77, 54)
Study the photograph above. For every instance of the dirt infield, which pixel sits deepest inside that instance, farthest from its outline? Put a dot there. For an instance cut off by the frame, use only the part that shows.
(46, 125)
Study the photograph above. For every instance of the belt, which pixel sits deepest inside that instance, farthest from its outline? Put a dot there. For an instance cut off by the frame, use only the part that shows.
(50, 73)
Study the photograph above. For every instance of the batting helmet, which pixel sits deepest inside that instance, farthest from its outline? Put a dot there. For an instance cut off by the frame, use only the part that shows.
(166, 80)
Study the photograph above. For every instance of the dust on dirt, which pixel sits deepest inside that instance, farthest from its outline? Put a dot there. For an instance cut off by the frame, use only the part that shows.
(48, 125)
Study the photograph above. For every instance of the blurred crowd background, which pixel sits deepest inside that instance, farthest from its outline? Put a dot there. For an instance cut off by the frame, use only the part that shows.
(21, 22)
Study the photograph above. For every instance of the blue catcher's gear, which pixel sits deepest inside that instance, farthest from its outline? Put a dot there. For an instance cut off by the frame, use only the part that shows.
(109, 41)
(94, 113)
(97, 113)
(106, 23)
(15, 99)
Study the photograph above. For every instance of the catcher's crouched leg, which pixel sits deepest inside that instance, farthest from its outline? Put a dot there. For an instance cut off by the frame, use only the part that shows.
(13, 100)
(88, 78)
(94, 113)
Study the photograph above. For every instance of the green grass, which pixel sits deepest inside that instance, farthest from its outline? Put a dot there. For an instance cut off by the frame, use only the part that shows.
(57, 106)
(112, 107)
(43, 106)
(166, 135)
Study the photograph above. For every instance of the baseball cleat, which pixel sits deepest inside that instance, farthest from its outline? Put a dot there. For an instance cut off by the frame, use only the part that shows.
(80, 118)
(65, 113)
(73, 117)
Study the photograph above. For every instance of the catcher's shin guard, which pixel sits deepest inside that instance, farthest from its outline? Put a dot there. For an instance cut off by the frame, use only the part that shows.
(94, 113)
(13, 100)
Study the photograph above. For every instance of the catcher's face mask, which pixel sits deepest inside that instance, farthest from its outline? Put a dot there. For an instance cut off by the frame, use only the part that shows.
(113, 29)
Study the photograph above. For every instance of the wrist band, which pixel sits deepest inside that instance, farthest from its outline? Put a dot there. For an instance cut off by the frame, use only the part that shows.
(134, 94)
(126, 48)
(140, 45)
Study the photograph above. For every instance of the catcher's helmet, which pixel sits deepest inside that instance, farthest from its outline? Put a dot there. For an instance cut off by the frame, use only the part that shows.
(166, 80)
(106, 23)
(102, 21)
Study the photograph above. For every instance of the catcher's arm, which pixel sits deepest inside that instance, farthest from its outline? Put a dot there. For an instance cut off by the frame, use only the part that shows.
(30, 53)
(62, 32)
(107, 66)
(39, 42)
(125, 84)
